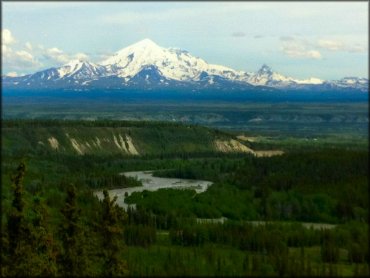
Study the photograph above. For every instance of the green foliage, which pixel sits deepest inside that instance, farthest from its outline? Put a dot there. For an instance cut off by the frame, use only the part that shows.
(42, 240)
(73, 258)
(30, 245)
(15, 219)
(104, 137)
(288, 187)
(58, 230)
(329, 249)
(110, 232)
(139, 235)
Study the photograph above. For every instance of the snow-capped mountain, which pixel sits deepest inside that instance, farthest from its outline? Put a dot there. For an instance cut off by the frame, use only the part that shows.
(173, 64)
(76, 72)
(352, 82)
(147, 65)
(265, 76)
(78, 69)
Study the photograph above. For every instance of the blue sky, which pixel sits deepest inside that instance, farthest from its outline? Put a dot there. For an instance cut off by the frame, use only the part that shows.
(328, 40)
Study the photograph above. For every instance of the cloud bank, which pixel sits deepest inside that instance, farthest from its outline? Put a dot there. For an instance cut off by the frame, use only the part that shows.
(297, 47)
(28, 57)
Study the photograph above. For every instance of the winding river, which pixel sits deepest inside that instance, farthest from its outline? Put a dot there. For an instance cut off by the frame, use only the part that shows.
(151, 183)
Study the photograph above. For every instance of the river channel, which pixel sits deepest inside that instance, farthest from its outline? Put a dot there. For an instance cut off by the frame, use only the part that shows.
(151, 183)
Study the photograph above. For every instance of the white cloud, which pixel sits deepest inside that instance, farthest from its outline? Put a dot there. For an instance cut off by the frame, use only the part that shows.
(81, 56)
(16, 59)
(7, 37)
(12, 74)
(296, 47)
(330, 44)
(5, 50)
(33, 59)
(56, 55)
(299, 48)
(24, 55)
(338, 45)
(29, 46)
(301, 53)
(314, 54)
(20, 60)
(54, 51)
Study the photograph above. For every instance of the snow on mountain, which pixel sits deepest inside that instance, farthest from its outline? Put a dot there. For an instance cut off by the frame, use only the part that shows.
(311, 81)
(173, 63)
(75, 72)
(265, 76)
(145, 64)
(351, 82)
(75, 69)
(78, 69)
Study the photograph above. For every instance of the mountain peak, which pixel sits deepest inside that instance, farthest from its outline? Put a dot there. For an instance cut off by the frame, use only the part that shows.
(75, 62)
(265, 69)
(76, 66)
(145, 62)
(145, 43)
(137, 53)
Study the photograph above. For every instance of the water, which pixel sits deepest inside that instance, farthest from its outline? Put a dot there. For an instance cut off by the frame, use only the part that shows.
(151, 183)
(307, 225)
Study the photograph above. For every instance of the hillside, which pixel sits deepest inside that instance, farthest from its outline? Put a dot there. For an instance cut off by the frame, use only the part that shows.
(108, 137)
(53, 167)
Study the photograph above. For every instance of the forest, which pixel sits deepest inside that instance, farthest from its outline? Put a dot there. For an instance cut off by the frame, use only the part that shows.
(250, 222)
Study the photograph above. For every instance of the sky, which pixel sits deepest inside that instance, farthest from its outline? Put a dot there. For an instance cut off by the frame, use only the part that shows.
(327, 40)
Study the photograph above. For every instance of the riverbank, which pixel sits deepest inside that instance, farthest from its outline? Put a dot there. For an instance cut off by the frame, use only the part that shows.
(151, 183)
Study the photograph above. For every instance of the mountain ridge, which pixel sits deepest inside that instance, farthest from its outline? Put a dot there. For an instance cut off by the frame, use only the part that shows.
(146, 65)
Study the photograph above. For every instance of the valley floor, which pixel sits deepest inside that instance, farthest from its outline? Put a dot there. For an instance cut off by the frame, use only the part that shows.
(301, 212)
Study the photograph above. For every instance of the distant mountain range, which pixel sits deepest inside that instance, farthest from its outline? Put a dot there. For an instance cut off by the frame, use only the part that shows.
(145, 65)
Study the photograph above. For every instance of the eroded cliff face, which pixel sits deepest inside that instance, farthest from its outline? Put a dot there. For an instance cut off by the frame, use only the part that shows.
(127, 141)
(232, 146)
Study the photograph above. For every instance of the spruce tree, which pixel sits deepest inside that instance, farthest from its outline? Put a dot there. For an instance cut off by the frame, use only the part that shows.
(42, 240)
(16, 215)
(72, 260)
(16, 228)
(112, 234)
(29, 243)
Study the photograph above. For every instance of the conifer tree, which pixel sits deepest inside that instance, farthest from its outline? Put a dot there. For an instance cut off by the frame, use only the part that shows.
(16, 215)
(16, 228)
(112, 233)
(72, 260)
(329, 250)
(42, 240)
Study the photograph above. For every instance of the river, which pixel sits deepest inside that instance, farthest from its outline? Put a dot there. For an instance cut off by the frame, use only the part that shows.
(151, 183)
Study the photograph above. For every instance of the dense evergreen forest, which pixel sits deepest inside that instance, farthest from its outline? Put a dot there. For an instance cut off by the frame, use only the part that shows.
(250, 221)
